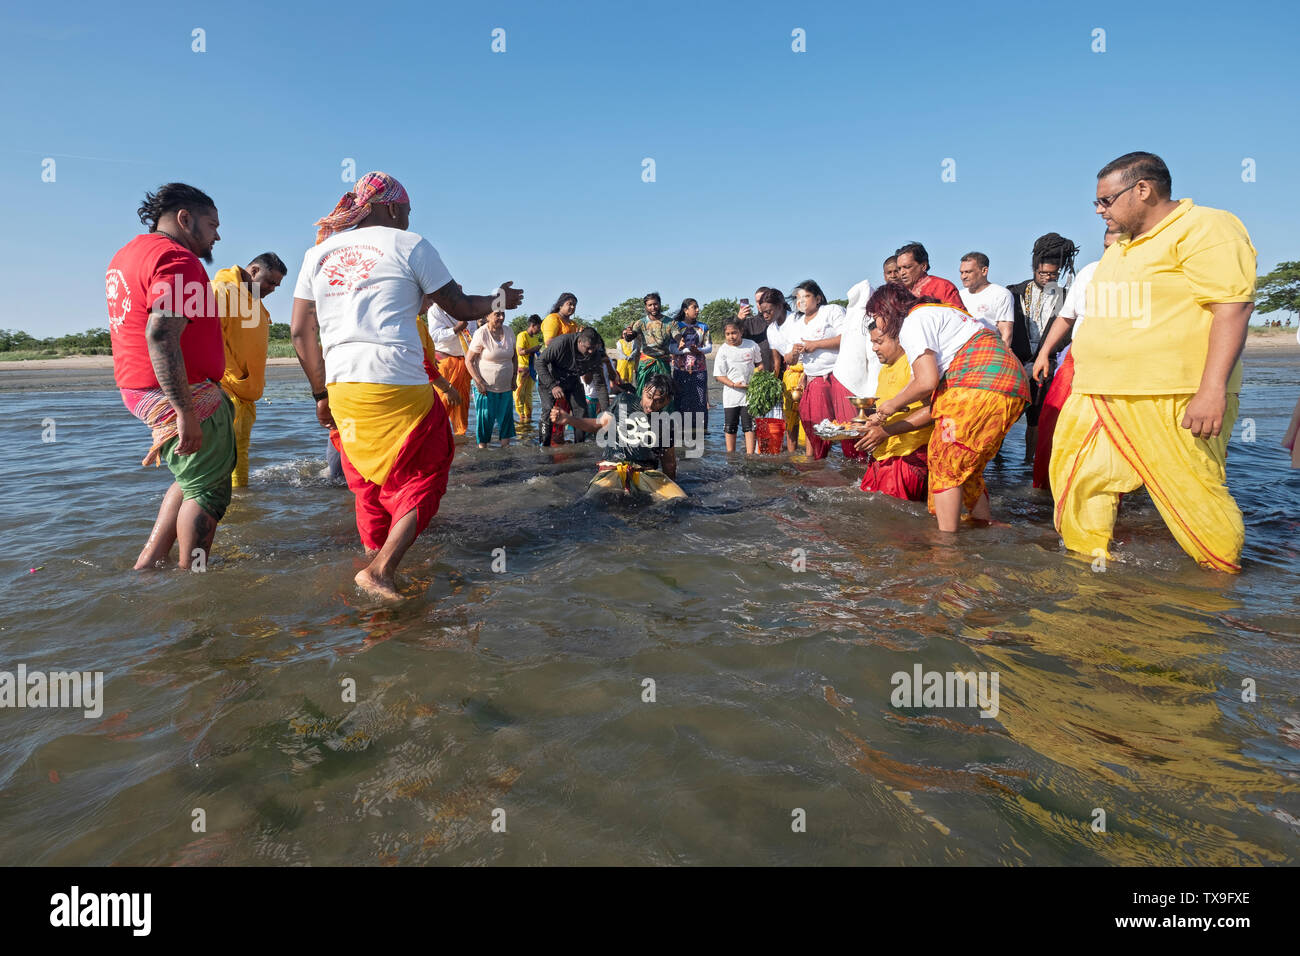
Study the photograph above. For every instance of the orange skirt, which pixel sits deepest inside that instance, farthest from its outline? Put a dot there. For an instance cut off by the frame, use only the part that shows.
(454, 370)
(969, 426)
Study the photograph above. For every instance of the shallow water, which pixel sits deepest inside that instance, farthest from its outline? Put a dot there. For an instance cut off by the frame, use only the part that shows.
(522, 691)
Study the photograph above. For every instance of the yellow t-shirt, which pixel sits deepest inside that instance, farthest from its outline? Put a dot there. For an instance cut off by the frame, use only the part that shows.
(1146, 317)
(554, 324)
(893, 379)
(526, 340)
(246, 331)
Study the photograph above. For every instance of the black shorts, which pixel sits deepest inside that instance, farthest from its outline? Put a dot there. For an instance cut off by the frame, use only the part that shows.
(740, 414)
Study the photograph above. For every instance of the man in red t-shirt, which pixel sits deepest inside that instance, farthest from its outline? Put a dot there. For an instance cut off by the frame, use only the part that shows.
(913, 264)
(168, 360)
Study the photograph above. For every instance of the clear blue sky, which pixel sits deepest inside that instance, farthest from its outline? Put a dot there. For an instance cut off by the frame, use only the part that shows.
(772, 166)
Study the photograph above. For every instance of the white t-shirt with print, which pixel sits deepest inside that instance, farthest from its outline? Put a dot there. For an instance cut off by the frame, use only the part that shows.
(826, 324)
(368, 285)
(941, 329)
(991, 304)
(736, 362)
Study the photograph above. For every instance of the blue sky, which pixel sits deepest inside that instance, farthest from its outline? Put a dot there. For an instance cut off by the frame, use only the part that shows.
(771, 166)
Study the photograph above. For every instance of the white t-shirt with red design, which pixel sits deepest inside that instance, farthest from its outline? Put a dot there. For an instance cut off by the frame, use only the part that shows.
(368, 285)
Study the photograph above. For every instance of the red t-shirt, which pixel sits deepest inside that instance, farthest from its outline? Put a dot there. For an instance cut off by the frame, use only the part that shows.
(155, 270)
(941, 289)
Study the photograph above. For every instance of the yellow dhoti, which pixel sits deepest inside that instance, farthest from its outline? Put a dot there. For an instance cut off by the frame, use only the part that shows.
(1108, 445)
(789, 380)
(628, 478)
(245, 415)
(524, 396)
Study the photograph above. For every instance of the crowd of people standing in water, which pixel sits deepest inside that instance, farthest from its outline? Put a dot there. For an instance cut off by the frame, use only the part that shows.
(1142, 393)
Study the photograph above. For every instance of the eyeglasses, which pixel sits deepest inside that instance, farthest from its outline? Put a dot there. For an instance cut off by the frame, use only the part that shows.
(1105, 202)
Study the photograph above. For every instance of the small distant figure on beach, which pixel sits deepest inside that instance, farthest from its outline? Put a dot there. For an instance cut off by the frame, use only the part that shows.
(168, 361)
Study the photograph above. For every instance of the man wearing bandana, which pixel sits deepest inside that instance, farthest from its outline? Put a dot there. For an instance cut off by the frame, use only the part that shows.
(360, 289)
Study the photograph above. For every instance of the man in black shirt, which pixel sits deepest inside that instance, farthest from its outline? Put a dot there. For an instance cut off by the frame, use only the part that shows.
(560, 367)
(638, 439)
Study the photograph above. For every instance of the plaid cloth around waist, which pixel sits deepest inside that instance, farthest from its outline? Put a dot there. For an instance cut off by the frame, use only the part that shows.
(986, 363)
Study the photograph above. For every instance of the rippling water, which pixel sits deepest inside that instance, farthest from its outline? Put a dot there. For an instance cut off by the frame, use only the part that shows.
(523, 691)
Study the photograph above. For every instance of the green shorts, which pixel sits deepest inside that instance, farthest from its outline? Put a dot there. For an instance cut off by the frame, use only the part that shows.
(205, 475)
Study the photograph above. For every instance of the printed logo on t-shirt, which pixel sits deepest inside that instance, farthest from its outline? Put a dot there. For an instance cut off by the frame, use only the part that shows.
(119, 298)
(348, 266)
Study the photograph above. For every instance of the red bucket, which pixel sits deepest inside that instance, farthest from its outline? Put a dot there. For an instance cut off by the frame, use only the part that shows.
(770, 435)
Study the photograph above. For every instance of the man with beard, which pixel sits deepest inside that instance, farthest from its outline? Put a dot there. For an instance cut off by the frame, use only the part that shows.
(168, 360)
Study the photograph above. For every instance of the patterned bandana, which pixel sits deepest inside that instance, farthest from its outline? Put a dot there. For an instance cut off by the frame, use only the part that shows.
(355, 206)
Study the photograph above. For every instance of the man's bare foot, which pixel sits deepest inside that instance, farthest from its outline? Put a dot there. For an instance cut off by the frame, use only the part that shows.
(376, 587)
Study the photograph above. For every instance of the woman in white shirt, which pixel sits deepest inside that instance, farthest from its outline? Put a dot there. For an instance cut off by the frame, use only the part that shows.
(494, 366)
(815, 340)
(979, 391)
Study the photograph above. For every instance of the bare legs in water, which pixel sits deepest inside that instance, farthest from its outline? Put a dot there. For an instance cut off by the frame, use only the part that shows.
(183, 519)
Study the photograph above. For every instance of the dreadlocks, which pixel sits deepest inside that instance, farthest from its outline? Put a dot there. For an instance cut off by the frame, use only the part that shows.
(1056, 250)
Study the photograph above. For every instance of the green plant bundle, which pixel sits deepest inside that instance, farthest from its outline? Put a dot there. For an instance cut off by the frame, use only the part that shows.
(763, 394)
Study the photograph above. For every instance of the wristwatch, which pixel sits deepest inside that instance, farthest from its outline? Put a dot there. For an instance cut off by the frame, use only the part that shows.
(321, 396)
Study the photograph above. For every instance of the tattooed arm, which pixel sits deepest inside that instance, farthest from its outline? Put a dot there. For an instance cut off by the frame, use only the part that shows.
(163, 335)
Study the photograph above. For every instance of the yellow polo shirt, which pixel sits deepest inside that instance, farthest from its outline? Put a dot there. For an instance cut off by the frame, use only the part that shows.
(554, 324)
(1146, 328)
(245, 330)
(893, 379)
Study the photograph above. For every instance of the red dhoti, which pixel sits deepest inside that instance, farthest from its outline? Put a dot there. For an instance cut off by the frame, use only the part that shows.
(903, 477)
(844, 411)
(417, 480)
(1053, 402)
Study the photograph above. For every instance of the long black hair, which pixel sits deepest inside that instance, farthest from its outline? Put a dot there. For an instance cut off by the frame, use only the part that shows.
(1056, 250)
(812, 287)
(564, 297)
(681, 310)
(172, 197)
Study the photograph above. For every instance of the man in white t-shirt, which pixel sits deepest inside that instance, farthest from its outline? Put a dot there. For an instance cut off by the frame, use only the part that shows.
(355, 330)
(985, 300)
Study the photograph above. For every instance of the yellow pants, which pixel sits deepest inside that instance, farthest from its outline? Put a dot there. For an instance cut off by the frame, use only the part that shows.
(1105, 446)
(651, 482)
(793, 426)
(524, 397)
(245, 415)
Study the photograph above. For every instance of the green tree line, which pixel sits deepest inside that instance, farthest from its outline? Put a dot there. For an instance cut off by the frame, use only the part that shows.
(1278, 291)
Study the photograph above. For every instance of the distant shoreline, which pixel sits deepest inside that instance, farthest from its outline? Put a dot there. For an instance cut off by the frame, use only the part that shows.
(96, 371)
